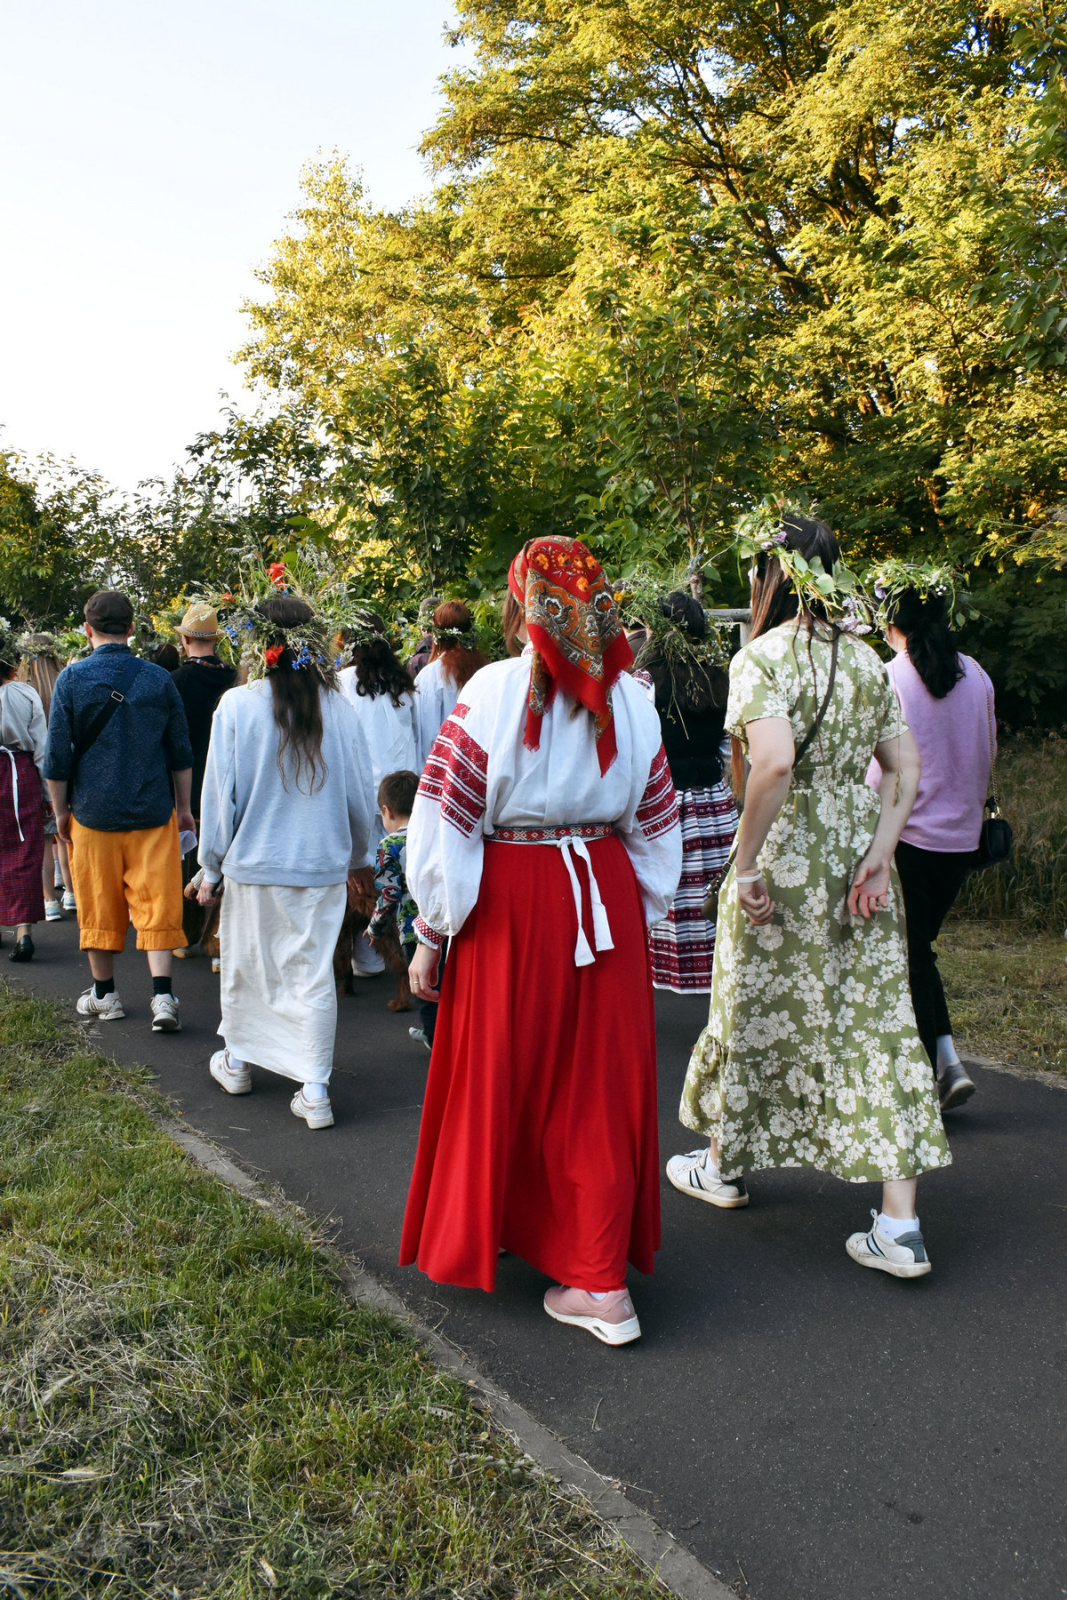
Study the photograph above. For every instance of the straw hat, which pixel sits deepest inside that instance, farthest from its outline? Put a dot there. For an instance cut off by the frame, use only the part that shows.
(200, 622)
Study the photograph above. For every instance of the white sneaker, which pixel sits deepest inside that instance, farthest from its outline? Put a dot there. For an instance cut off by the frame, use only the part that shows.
(366, 961)
(419, 1036)
(235, 1080)
(316, 1113)
(903, 1257)
(69, 903)
(694, 1175)
(52, 912)
(109, 1009)
(165, 1018)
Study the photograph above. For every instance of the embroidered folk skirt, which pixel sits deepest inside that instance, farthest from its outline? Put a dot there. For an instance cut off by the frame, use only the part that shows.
(279, 997)
(683, 943)
(539, 1129)
(21, 889)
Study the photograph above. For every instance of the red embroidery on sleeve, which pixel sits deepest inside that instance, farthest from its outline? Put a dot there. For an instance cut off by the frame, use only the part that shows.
(454, 775)
(427, 934)
(658, 811)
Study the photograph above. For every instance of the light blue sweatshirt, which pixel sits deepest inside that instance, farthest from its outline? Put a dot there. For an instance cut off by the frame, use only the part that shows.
(255, 828)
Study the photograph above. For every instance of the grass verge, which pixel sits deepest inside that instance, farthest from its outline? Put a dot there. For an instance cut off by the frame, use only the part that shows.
(190, 1407)
(1007, 991)
(1032, 886)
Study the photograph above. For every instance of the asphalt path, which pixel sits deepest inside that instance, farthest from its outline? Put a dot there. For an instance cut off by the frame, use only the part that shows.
(812, 1431)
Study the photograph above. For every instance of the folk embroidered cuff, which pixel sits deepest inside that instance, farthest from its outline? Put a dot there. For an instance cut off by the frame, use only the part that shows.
(428, 935)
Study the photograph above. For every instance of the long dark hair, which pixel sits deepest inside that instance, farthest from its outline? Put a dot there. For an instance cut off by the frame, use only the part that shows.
(685, 680)
(377, 669)
(924, 623)
(296, 694)
(458, 662)
(774, 599)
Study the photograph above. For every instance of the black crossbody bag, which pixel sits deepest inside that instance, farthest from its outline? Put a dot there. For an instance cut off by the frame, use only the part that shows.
(996, 838)
(84, 743)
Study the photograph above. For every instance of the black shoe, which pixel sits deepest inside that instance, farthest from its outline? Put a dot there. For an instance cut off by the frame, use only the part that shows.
(23, 950)
(954, 1086)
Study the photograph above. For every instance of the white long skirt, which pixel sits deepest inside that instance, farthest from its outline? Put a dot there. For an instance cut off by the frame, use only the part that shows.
(279, 999)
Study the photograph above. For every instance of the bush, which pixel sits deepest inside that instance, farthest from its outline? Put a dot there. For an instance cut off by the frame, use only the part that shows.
(1032, 886)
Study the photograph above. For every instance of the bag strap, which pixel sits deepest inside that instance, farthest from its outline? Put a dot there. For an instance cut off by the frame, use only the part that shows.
(817, 724)
(988, 684)
(117, 697)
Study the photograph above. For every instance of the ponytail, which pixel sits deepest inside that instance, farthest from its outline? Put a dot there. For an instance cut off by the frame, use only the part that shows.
(923, 620)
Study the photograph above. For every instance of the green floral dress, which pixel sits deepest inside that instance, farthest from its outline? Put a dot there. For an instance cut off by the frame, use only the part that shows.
(811, 1055)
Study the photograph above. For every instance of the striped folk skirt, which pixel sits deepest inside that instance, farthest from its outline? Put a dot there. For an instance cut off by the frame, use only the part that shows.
(683, 943)
(21, 840)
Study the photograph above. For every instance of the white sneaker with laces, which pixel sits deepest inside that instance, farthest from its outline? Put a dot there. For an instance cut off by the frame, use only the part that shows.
(902, 1257)
(69, 903)
(235, 1080)
(52, 912)
(109, 1009)
(316, 1113)
(694, 1175)
(165, 1018)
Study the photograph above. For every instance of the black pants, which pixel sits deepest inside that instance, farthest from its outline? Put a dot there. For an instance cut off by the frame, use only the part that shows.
(930, 880)
(427, 1008)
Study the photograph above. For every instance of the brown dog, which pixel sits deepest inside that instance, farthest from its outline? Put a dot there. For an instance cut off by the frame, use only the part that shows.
(358, 913)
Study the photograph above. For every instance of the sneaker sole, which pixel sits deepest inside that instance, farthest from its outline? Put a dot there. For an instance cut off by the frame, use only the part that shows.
(245, 1088)
(167, 1025)
(314, 1122)
(607, 1332)
(713, 1200)
(896, 1269)
(958, 1095)
(102, 1016)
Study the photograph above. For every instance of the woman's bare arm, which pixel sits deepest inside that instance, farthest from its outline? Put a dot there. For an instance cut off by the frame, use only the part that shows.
(771, 753)
(901, 769)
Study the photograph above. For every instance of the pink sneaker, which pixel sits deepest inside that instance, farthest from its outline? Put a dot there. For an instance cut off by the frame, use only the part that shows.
(612, 1319)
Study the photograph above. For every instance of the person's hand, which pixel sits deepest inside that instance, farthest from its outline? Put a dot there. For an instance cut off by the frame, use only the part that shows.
(208, 893)
(63, 825)
(422, 973)
(870, 887)
(361, 880)
(755, 900)
(186, 822)
(190, 890)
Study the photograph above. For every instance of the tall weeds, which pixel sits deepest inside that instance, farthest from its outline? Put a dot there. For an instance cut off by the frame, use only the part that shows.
(1032, 886)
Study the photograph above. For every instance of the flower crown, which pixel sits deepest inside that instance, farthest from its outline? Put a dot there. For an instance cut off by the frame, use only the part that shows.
(857, 602)
(254, 635)
(33, 645)
(453, 638)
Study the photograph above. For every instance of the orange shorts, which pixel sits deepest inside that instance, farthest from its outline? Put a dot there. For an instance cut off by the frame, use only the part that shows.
(124, 877)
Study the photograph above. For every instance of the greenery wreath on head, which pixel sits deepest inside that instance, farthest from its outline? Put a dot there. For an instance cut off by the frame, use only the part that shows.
(856, 602)
(260, 628)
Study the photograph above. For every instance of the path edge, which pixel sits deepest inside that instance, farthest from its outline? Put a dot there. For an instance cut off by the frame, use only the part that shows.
(670, 1562)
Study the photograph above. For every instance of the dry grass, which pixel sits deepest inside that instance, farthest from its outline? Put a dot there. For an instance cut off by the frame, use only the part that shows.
(1032, 886)
(189, 1407)
(1007, 991)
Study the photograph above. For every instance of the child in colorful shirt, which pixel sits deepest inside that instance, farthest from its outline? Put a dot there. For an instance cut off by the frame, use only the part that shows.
(396, 796)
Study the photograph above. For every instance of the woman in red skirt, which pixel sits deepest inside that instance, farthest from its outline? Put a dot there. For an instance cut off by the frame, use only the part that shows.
(544, 839)
(22, 743)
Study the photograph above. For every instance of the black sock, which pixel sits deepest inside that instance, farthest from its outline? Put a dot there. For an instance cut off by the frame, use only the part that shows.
(103, 987)
(161, 986)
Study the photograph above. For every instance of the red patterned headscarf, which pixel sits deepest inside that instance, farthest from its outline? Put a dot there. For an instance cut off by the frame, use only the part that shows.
(578, 641)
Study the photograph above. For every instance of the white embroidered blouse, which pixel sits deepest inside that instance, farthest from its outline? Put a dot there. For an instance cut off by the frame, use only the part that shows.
(480, 776)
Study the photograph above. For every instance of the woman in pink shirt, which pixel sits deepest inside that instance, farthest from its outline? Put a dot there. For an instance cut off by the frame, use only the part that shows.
(947, 702)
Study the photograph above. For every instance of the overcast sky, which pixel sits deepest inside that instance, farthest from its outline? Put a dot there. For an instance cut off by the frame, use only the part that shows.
(150, 154)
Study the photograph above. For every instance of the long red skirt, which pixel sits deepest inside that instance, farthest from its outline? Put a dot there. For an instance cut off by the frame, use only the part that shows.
(21, 860)
(539, 1127)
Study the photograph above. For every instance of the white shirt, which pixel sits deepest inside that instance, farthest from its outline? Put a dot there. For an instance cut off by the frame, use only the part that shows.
(389, 730)
(435, 696)
(257, 828)
(481, 776)
(22, 720)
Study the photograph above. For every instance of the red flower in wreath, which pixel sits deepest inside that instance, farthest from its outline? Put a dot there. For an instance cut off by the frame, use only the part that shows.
(272, 654)
(276, 574)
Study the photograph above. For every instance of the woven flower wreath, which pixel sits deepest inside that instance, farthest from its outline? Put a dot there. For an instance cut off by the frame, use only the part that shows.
(258, 628)
(858, 602)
